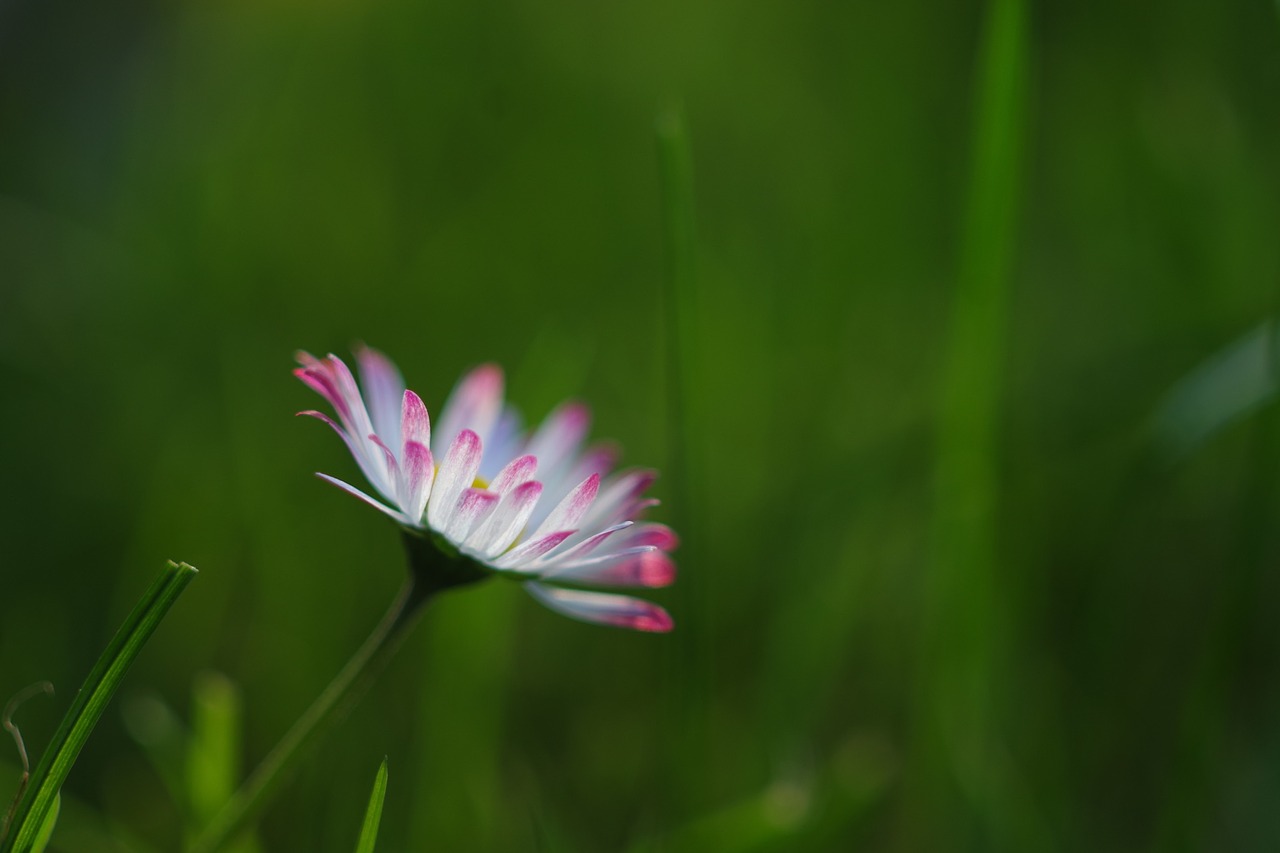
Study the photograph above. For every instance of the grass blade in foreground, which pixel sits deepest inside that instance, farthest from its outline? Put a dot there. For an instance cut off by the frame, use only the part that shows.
(373, 816)
(46, 831)
(34, 808)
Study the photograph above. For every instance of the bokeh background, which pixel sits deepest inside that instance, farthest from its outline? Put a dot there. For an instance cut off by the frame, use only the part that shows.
(959, 382)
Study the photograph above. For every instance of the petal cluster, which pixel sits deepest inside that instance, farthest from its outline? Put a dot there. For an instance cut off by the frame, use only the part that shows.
(538, 507)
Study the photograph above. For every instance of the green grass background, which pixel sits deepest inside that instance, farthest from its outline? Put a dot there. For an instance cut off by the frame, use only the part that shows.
(941, 588)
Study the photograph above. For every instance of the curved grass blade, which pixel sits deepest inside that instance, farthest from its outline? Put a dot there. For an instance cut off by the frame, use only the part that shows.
(32, 813)
(373, 816)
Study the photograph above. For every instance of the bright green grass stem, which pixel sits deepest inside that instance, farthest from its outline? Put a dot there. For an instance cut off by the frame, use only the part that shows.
(330, 707)
(40, 796)
(373, 814)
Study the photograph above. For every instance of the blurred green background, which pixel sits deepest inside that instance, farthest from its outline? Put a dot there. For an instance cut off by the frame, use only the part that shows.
(944, 586)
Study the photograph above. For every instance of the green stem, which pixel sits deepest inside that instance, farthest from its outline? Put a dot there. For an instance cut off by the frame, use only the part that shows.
(30, 814)
(330, 707)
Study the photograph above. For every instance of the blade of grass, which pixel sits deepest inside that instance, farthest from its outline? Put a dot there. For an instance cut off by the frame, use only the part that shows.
(964, 615)
(46, 828)
(373, 815)
(690, 656)
(680, 327)
(42, 792)
(213, 751)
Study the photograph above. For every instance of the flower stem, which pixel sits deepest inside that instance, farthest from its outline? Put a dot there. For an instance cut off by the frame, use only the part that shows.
(330, 707)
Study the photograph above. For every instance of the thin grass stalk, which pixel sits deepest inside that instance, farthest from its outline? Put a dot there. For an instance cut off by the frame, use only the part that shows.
(965, 619)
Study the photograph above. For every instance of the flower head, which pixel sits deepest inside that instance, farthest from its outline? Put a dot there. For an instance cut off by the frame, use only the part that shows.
(470, 486)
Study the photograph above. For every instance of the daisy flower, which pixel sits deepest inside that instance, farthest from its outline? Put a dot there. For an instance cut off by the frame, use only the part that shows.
(537, 508)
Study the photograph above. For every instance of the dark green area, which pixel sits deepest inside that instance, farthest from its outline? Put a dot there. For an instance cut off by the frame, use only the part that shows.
(912, 617)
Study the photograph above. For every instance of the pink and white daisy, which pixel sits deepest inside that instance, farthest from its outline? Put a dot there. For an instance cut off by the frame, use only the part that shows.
(471, 483)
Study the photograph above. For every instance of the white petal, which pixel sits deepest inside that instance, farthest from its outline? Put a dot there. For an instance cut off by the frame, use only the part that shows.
(376, 504)
(557, 439)
(520, 558)
(415, 423)
(644, 566)
(501, 528)
(620, 499)
(517, 472)
(474, 404)
(382, 389)
(414, 484)
(570, 511)
(502, 443)
(457, 472)
(473, 507)
(583, 549)
(621, 611)
(374, 470)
